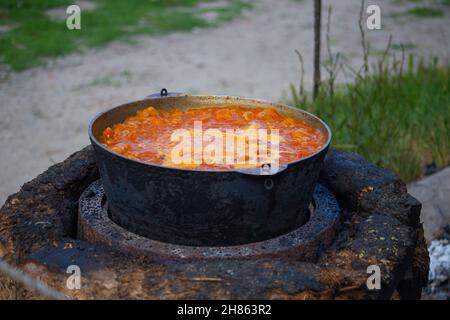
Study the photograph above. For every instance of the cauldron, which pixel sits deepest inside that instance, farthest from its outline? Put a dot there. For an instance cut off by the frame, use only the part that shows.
(201, 207)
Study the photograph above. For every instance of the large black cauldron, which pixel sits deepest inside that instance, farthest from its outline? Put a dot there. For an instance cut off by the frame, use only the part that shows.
(205, 208)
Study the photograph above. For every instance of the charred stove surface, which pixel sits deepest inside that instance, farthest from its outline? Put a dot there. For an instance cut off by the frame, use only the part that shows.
(380, 226)
(95, 226)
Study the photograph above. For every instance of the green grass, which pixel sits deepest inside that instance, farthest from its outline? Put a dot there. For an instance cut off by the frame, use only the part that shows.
(434, 2)
(405, 46)
(228, 13)
(34, 37)
(426, 12)
(400, 121)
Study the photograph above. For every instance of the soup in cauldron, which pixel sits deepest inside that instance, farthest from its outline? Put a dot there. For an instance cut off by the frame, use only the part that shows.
(213, 138)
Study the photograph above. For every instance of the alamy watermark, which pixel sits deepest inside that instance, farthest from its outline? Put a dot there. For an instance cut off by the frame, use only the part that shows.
(373, 21)
(374, 280)
(74, 280)
(251, 147)
(73, 21)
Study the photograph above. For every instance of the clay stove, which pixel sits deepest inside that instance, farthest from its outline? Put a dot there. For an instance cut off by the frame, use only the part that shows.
(361, 215)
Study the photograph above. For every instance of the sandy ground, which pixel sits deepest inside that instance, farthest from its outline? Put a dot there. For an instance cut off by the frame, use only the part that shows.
(44, 112)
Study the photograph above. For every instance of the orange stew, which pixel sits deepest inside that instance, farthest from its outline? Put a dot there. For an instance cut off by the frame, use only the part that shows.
(148, 135)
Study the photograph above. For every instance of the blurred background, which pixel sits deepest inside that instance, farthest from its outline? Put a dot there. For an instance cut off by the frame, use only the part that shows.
(385, 93)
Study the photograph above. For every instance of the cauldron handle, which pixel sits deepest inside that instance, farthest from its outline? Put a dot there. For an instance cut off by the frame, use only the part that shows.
(264, 170)
(163, 93)
(267, 172)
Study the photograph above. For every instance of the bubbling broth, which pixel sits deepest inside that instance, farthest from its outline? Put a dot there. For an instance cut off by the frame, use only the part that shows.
(213, 138)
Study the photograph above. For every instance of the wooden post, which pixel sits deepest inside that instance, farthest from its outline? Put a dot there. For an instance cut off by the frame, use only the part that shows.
(317, 40)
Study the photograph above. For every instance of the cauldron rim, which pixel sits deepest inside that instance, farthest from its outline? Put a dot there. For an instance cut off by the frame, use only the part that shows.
(262, 102)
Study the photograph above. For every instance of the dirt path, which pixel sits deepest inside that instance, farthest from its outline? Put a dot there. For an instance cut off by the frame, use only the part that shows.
(44, 111)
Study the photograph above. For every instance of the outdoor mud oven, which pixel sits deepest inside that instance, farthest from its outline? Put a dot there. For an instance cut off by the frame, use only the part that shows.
(315, 228)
